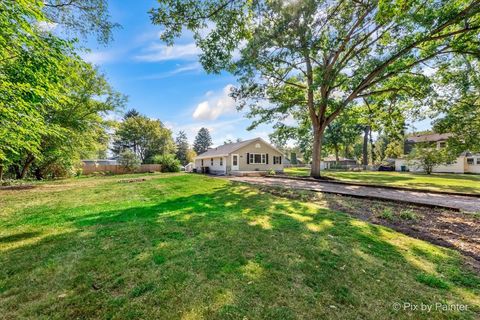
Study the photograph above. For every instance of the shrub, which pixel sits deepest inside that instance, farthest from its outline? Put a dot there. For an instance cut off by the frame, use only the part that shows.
(386, 214)
(168, 162)
(271, 172)
(408, 215)
(129, 160)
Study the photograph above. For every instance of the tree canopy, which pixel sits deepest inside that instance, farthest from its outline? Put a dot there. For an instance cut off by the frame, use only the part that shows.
(145, 137)
(52, 103)
(317, 57)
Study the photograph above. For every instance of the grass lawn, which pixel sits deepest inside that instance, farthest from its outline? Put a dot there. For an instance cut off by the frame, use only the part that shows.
(180, 246)
(441, 182)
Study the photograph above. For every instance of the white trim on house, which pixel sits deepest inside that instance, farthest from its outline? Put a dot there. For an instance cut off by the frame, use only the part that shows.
(263, 158)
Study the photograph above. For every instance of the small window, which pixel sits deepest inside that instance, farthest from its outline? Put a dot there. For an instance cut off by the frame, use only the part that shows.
(478, 160)
(469, 160)
(221, 161)
(277, 160)
(202, 162)
(211, 162)
(443, 144)
(258, 146)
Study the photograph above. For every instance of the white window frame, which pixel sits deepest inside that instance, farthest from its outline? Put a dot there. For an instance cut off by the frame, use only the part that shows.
(263, 158)
(221, 161)
(277, 160)
(211, 161)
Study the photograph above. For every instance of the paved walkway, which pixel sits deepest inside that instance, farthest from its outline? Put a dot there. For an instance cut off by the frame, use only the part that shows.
(462, 203)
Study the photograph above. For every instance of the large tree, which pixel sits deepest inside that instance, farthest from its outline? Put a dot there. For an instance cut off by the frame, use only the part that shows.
(203, 141)
(143, 136)
(321, 55)
(458, 103)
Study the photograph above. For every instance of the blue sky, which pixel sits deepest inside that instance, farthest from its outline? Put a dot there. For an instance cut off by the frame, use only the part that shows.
(168, 83)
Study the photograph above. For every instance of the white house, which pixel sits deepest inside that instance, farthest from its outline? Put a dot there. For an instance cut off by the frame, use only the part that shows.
(255, 155)
(466, 162)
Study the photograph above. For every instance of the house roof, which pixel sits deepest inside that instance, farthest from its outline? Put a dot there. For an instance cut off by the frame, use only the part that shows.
(226, 149)
(431, 137)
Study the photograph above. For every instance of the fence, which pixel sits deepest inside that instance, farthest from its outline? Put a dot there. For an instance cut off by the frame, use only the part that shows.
(119, 169)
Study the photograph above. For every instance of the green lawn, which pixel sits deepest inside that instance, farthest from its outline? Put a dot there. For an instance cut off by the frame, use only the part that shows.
(441, 182)
(192, 247)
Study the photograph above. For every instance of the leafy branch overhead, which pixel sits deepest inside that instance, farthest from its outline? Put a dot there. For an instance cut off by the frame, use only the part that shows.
(320, 57)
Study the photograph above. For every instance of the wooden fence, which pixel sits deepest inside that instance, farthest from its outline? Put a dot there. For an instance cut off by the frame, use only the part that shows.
(119, 169)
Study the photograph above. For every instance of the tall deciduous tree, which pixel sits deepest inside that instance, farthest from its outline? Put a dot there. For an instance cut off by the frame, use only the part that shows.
(143, 136)
(458, 103)
(325, 54)
(203, 141)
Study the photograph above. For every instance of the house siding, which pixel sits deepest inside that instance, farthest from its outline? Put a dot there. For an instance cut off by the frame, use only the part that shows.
(215, 169)
(251, 148)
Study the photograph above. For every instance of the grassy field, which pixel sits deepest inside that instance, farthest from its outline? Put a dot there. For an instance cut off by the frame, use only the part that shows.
(440, 182)
(192, 247)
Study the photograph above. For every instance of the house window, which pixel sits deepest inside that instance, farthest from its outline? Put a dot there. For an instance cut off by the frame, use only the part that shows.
(442, 144)
(202, 162)
(211, 162)
(221, 161)
(258, 146)
(478, 160)
(258, 158)
(469, 160)
(277, 160)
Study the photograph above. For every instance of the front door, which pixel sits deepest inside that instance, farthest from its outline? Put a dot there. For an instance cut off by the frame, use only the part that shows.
(235, 166)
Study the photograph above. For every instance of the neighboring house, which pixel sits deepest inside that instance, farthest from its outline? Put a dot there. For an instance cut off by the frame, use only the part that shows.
(99, 162)
(243, 157)
(331, 162)
(466, 162)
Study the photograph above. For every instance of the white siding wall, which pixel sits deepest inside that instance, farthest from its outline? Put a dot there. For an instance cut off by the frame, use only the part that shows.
(457, 167)
(473, 168)
(216, 168)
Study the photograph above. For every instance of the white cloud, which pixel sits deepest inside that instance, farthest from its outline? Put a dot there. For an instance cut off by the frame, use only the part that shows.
(215, 105)
(47, 26)
(192, 67)
(161, 52)
(98, 57)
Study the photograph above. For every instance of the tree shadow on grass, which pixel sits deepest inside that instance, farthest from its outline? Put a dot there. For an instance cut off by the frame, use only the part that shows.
(226, 254)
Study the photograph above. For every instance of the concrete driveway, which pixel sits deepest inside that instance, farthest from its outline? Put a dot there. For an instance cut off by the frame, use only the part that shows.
(455, 202)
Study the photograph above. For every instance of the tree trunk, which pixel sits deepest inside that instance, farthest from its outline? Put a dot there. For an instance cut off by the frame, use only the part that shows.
(1, 172)
(316, 153)
(26, 166)
(372, 147)
(365, 147)
(337, 157)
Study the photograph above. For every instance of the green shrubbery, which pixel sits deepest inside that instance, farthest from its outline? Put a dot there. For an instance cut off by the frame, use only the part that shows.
(168, 162)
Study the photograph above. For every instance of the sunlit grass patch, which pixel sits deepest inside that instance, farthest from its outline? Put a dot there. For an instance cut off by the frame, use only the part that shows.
(194, 247)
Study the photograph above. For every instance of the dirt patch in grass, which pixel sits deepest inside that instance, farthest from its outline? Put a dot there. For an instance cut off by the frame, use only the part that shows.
(131, 180)
(18, 187)
(446, 228)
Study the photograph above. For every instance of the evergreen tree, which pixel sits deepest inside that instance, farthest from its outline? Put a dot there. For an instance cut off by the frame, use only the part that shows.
(131, 113)
(203, 140)
(182, 148)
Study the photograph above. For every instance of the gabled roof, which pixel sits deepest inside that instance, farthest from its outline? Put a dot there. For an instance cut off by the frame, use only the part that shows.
(228, 148)
(430, 137)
